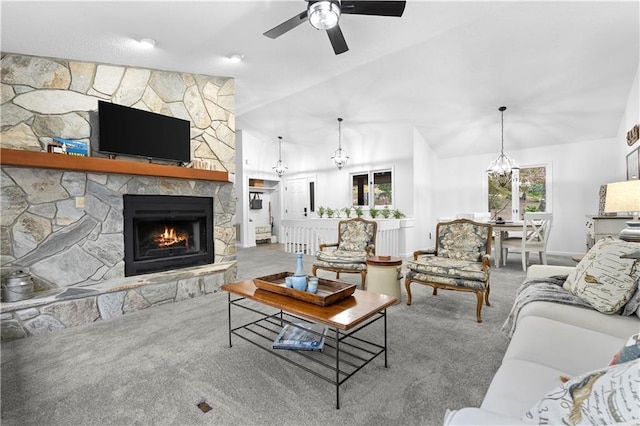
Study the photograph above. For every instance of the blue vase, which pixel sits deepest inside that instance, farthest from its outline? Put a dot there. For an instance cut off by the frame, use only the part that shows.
(299, 279)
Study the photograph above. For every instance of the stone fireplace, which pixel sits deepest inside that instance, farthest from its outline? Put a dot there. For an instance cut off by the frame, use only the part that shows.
(63, 220)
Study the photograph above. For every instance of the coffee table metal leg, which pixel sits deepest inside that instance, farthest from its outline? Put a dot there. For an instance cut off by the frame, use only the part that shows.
(337, 369)
(229, 313)
(385, 339)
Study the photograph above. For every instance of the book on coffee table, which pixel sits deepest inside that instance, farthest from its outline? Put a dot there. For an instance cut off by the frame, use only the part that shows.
(301, 336)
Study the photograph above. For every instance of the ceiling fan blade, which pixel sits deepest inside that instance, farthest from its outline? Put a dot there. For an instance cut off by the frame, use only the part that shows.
(337, 40)
(380, 8)
(288, 25)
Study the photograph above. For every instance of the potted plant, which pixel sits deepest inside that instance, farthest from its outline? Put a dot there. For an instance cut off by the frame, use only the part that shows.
(373, 212)
(397, 214)
(330, 212)
(358, 211)
(320, 210)
(347, 211)
(385, 212)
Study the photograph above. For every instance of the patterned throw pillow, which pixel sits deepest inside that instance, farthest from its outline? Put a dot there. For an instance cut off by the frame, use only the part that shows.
(629, 352)
(603, 397)
(603, 278)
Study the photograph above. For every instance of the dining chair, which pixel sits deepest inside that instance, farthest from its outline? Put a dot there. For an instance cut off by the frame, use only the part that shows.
(535, 236)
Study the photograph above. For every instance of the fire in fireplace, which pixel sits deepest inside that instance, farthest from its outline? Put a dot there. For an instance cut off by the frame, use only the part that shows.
(163, 232)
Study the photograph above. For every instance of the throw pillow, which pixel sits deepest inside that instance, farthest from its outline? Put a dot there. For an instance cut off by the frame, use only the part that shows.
(603, 278)
(604, 397)
(629, 352)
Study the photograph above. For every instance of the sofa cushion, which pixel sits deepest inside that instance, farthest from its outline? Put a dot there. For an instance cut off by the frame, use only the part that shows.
(603, 278)
(561, 346)
(614, 325)
(605, 396)
(518, 385)
(629, 352)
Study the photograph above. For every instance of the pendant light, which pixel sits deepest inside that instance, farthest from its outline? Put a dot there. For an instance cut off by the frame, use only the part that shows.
(340, 158)
(280, 167)
(502, 167)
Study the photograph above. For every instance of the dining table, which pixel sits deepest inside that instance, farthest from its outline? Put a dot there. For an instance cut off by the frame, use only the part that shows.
(500, 233)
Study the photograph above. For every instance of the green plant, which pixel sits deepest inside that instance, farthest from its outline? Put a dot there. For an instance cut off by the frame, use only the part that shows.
(330, 212)
(347, 211)
(373, 212)
(320, 210)
(358, 211)
(530, 209)
(386, 212)
(397, 214)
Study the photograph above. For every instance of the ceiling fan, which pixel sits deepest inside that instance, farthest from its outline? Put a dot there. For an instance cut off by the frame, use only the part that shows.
(325, 14)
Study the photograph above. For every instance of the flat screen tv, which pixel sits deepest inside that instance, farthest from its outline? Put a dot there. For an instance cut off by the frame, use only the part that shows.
(130, 131)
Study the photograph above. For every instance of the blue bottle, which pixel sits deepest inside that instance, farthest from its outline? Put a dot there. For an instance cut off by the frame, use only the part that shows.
(299, 279)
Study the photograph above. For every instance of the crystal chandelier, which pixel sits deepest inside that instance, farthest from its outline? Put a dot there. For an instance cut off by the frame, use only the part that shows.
(280, 168)
(340, 158)
(502, 167)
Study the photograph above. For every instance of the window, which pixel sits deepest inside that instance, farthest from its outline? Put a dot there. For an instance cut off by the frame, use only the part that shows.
(526, 192)
(379, 182)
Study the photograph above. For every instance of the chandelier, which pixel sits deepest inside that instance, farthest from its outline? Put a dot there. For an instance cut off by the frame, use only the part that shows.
(280, 168)
(501, 169)
(340, 158)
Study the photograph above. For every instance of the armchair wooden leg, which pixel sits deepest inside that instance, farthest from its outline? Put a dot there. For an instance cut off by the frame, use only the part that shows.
(314, 269)
(486, 295)
(338, 275)
(407, 286)
(363, 278)
(435, 291)
(479, 294)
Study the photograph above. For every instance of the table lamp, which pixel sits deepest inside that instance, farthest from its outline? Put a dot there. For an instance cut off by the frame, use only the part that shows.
(624, 197)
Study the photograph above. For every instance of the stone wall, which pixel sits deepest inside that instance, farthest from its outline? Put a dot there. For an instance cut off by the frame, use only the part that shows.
(44, 98)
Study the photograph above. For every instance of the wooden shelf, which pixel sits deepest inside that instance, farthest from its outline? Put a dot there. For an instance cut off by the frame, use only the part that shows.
(45, 160)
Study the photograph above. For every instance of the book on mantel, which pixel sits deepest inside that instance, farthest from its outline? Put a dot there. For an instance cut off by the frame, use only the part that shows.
(301, 336)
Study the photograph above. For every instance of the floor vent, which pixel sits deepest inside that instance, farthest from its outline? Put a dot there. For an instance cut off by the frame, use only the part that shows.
(204, 406)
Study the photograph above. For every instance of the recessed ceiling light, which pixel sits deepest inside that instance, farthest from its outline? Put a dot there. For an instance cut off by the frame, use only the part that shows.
(147, 42)
(236, 58)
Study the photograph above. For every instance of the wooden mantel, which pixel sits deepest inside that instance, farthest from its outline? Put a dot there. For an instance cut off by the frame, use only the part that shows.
(45, 160)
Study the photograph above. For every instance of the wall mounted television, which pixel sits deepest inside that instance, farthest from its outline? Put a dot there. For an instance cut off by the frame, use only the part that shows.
(130, 131)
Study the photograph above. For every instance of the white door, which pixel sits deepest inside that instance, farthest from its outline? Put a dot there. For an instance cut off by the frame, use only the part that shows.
(296, 198)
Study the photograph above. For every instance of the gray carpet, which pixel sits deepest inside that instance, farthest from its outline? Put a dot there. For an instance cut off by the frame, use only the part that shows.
(155, 366)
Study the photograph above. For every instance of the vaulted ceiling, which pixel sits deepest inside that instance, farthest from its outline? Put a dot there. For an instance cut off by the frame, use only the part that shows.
(564, 69)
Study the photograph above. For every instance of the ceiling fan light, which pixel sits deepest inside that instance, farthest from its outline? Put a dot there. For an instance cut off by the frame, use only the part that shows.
(324, 14)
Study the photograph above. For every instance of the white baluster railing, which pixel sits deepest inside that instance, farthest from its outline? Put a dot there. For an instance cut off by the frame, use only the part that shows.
(306, 235)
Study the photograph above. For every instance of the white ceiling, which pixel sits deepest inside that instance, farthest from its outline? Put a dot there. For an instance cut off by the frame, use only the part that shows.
(564, 69)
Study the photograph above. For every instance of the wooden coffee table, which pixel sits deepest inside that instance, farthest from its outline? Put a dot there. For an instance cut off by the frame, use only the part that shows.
(343, 354)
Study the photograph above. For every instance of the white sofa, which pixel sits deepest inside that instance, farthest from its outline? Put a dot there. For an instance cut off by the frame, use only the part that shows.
(550, 340)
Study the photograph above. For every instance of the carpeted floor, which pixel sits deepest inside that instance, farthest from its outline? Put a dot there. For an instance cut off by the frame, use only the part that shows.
(155, 366)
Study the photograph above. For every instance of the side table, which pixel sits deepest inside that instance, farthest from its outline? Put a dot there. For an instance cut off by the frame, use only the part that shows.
(383, 275)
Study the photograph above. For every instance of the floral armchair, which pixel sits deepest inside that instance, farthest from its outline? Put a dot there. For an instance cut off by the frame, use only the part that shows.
(460, 261)
(356, 242)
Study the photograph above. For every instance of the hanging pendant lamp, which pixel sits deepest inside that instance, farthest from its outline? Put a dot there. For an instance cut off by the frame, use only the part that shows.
(340, 158)
(280, 167)
(502, 167)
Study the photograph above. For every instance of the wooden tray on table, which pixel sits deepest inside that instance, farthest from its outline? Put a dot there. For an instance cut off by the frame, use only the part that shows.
(329, 292)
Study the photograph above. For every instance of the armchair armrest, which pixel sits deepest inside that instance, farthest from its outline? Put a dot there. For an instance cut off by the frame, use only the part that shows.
(322, 246)
(486, 260)
(431, 251)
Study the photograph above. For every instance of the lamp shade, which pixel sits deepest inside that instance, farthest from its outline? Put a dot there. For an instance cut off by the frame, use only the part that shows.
(623, 197)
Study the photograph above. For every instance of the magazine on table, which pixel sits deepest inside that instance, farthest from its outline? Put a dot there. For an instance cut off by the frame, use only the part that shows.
(301, 336)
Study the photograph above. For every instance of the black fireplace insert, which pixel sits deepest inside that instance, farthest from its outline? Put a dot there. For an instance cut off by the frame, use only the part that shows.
(163, 232)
